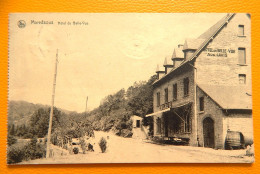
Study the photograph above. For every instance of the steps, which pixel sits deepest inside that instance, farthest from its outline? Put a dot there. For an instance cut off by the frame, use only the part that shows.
(138, 133)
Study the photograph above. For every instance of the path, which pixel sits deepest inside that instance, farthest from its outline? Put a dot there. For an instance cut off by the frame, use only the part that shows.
(129, 150)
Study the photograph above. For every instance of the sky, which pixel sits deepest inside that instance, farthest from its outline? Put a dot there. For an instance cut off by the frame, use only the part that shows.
(107, 52)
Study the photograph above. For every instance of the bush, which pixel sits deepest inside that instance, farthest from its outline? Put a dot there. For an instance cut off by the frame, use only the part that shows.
(11, 140)
(20, 152)
(75, 150)
(103, 144)
(15, 154)
(126, 133)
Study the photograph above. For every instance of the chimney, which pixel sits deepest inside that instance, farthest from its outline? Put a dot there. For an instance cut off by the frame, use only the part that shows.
(180, 46)
(159, 72)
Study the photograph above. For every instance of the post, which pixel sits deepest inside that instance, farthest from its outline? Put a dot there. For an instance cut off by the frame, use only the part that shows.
(52, 104)
(86, 105)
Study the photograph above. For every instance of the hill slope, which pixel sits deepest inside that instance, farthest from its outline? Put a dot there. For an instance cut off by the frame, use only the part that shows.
(20, 112)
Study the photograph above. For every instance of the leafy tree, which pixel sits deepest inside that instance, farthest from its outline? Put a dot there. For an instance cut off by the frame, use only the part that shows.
(140, 98)
(11, 129)
(40, 121)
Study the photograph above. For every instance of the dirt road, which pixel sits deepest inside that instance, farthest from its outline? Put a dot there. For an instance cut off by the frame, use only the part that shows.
(129, 150)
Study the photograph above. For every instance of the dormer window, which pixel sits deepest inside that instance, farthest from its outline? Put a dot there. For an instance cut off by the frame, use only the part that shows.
(241, 31)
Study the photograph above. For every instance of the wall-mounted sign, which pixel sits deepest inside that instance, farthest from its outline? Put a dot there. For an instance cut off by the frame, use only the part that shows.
(219, 52)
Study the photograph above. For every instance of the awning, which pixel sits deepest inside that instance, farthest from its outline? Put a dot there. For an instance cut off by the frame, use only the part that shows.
(168, 109)
(158, 112)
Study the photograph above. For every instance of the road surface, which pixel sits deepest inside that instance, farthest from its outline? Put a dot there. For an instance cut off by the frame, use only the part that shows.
(129, 150)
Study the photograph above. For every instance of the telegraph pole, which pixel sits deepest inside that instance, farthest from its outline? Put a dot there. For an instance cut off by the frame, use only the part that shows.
(52, 105)
(86, 106)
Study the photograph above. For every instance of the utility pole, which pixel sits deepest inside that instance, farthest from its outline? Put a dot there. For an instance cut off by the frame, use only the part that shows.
(86, 106)
(52, 105)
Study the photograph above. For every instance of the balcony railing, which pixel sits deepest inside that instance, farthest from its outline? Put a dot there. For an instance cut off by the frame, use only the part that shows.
(166, 105)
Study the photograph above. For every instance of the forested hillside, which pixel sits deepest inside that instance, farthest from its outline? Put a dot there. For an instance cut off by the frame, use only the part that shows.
(115, 110)
(20, 112)
(27, 119)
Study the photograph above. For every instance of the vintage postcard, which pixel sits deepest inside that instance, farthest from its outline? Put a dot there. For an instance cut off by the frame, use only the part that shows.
(130, 88)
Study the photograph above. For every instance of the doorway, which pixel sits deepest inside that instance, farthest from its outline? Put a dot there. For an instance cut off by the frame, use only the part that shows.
(137, 123)
(208, 132)
(166, 121)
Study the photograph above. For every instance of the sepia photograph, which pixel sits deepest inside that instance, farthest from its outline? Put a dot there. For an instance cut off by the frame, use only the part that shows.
(129, 88)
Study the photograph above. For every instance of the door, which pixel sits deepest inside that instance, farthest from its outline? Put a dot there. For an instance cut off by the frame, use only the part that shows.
(137, 123)
(208, 132)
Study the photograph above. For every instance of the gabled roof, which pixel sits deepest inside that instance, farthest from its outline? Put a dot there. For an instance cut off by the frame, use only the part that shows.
(212, 29)
(210, 34)
(207, 36)
(192, 44)
(229, 97)
(178, 53)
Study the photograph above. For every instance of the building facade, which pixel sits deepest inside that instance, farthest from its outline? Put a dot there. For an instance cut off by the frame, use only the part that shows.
(204, 91)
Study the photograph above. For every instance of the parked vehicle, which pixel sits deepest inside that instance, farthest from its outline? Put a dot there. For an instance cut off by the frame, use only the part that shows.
(75, 145)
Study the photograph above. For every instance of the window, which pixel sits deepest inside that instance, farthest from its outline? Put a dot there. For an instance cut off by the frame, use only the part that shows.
(174, 91)
(186, 86)
(158, 122)
(242, 78)
(201, 103)
(241, 30)
(158, 99)
(166, 95)
(241, 55)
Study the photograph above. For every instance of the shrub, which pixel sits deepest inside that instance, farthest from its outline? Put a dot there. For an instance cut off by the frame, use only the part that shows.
(15, 154)
(103, 144)
(21, 152)
(75, 150)
(11, 140)
(126, 133)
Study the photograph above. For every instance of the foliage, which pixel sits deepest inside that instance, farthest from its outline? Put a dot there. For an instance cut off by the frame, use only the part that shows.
(75, 150)
(22, 111)
(103, 144)
(20, 152)
(11, 140)
(19, 130)
(113, 113)
(40, 121)
(15, 154)
(140, 98)
(116, 109)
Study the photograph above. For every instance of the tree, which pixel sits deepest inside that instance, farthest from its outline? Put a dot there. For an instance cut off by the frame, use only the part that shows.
(11, 129)
(140, 98)
(40, 121)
